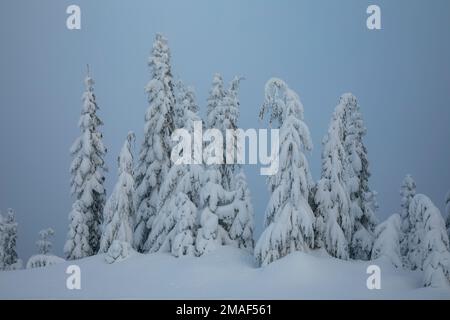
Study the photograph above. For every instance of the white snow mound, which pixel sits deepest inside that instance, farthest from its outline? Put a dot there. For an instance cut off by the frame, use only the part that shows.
(227, 273)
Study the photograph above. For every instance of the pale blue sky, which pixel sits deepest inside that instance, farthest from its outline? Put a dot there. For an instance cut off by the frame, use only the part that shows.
(401, 76)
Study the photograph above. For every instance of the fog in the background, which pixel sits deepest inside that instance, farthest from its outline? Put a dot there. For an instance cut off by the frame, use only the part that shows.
(401, 76)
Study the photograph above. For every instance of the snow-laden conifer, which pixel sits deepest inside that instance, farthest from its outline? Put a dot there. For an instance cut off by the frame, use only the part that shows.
(447, 212)
(9, 259)
(87, 169)
(362, 199)
(154, 158)
(334, 224)
(429, 243)
(119, 209)
(289, 219)
(407, 193)
(77, 244)
(387, 240)
(177, 217)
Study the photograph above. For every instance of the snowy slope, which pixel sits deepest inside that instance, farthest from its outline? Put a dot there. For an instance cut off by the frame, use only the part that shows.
(226, 273)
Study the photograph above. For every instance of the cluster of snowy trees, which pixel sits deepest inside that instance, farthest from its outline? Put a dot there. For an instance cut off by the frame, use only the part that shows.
(9, 259)
(157, 205)
(191, 209)
(417, 238)
(337, 212)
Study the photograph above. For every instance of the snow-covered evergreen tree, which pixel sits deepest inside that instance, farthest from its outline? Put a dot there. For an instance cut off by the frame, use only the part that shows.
(216, 95)
(334, 224)
(242, 227)
(387, 240)
(2, 239)
(407, 193)
(289, 219)
(447, 211)
(44, 243)
(184, 231)
(362, 199)
(186, 107)
(154, 158)
(87, 168)
(429, 243)
(8, 236)
(119, 209)
(77, 245)
(213, 197)
(232, 210)
(223, 114)
(183, 181)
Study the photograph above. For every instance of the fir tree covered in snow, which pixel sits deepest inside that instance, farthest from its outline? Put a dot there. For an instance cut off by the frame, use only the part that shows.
(447, 212)
(154, 158)
(223, 114)
(77, 245)
(429, 243)
(216, 95)
(334, 224)
(387, 240)
(179, 196)
(241, 230)
(87, 171)
(119, 209)
(407, 193)
(183, 234)
(44, 243)
(214, 200)
(227, 217)
(362, 199)
(8, 236)
(227, 115)
(289, 219)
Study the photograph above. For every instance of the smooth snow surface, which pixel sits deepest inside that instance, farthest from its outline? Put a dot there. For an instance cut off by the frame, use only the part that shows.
(227, 273)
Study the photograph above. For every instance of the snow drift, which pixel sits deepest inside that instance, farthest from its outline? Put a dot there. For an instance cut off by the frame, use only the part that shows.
(227, 273)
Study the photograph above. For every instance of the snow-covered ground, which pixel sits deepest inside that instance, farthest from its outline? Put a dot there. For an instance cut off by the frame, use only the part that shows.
(228, 273)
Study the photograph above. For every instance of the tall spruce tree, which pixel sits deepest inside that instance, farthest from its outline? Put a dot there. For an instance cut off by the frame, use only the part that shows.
(447, 212)
(154, 158)
(44, 243)
(77, 245)
(87, 174)
(9, 259)
(362, 199)
(289, 219)
(334, 224)
(242, 226)
(213, 197)
(119, 209)
(387, 240)
(429, 243)
(216, 95)
(407, 193)
(222, 114)
(179, 196)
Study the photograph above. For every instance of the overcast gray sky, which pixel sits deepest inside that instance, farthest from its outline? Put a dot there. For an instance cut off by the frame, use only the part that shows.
(401, 76)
